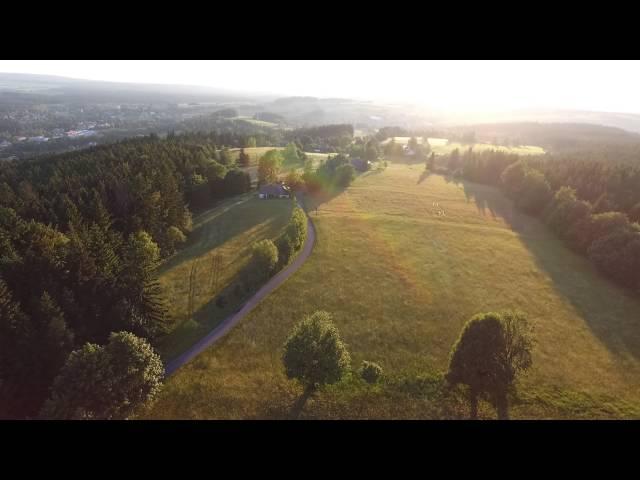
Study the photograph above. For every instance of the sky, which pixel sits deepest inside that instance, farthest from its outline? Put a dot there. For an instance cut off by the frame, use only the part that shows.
(473, 86)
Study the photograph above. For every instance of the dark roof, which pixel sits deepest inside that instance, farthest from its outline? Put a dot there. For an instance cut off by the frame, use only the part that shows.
(274, 189)
(359, 163)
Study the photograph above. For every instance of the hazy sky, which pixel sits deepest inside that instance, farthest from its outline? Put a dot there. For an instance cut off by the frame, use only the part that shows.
(463, 85)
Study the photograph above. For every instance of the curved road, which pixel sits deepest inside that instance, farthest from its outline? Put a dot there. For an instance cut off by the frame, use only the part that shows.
(229, 322)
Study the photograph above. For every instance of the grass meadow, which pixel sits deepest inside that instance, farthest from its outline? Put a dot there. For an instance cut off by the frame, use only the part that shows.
(441, 146)
(256, 152)
(226, 231)
(402, 260)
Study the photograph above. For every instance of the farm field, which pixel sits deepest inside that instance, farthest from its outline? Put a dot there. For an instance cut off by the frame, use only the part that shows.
(441, 146)
(260, 123)
(256, 152)
(402, 260)
(226, 231)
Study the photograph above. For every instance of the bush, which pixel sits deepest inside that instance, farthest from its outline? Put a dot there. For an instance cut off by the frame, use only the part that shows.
(264, 260)
(297, 228)
(566, 212)
(535, 192)
(285, 249)
(175, 238)
(370, 372)
(236, 182)
(345, 174)
(617, 255)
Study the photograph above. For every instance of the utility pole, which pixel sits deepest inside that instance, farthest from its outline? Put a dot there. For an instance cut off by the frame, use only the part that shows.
(192, 276)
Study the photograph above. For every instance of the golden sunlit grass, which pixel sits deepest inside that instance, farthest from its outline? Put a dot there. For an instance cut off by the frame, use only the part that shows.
(227, 230)
(254, 153)
(260, 123)
(402, 260)
(441, 146)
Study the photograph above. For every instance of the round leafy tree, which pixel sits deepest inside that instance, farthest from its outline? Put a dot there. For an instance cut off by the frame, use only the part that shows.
(492, 350)
(314, 354)
(106, 382)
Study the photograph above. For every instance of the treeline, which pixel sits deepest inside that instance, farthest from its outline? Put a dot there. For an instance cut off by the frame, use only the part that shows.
(329, 138)
(81, 235)
(231, 132)
(605, 143)
(607, 186)
(335, 173)
(561, 193)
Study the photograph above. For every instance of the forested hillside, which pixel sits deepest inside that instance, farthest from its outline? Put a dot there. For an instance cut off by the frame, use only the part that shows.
(80, 237)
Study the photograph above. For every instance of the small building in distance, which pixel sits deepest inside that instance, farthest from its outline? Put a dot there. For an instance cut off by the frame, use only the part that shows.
(361, 164)
(274, 190)
(408, 151)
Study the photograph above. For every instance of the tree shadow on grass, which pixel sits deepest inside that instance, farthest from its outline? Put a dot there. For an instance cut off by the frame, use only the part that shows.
(368, 173)
(226, 302)
(423, 176)
(402, 160)
(611, 312)
(216, 227)
(312, 201)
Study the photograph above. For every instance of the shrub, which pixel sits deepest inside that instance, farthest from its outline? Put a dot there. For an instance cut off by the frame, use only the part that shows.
(236, 182)
(535, 192)
(617, 255)
(285, 249)
(175, 238)
(297, 228)
(345, 174)
(264, 260)
(370, 372)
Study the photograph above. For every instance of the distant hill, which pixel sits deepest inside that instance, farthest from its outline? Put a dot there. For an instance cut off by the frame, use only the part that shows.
(626, 121)
(72, 89)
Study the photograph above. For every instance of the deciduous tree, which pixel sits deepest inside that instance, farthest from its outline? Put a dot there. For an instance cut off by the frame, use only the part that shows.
(315, 355)
(106, 382)
(492, 350)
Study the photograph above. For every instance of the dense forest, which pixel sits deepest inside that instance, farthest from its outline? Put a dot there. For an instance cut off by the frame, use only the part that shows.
(80, 237)
(594, 206)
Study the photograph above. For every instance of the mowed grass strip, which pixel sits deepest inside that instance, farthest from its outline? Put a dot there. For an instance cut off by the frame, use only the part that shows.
(227, 231)
(402, 260)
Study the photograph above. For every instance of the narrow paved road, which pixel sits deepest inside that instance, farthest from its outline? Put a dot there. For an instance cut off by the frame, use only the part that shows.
(229, 322)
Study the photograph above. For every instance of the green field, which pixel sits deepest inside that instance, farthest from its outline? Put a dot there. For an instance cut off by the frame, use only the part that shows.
(260, 123)
(227, 230)
(401, 279)
(254, 153)
(441, 146)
